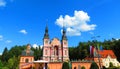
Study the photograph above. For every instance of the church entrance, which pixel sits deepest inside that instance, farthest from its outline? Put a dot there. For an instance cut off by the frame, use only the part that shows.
(56, 52)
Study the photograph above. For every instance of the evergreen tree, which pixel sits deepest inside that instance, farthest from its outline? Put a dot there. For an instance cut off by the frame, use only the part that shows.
(94, 66)
(5, 56)
(65, 65)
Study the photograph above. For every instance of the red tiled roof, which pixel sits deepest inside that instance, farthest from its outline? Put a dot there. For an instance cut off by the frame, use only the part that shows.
(105, 53)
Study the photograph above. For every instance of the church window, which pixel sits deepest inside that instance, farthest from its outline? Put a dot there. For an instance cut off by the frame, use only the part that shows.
(65, 52)
(46, 52)
(75, 68)
(31, 59)
(22, 59)
(26, 60)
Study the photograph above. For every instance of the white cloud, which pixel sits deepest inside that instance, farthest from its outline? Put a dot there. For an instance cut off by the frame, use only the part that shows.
(8, 41)
(0, 53)
(23, 31)
(2, 3)
(41, 46)
(1, 37)
(35, 46)
(72, 32)
(75, 24)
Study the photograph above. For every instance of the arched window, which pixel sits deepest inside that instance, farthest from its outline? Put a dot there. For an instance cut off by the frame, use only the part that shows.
(26, 60)
(31, 59)
(22, 59)
(46, 52)
(75, 68)
(65, 52)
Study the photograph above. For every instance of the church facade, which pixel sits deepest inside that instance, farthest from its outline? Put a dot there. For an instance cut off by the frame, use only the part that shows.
(55, 49)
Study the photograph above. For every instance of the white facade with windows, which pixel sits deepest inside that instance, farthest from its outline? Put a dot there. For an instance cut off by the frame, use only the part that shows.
(106, 61)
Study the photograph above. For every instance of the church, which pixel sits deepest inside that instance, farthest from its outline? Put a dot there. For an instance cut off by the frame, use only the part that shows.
(55, 52)
(55, 49)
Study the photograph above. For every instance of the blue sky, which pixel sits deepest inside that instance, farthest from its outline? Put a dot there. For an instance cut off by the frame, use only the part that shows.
(24, 21)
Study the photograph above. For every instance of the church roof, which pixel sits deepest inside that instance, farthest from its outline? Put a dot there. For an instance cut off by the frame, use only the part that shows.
(24, 53)
(103, 54)
(106, 53)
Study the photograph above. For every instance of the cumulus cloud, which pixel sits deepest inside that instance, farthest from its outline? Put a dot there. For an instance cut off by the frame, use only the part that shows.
(41, 46)
(1, 37)
(35, 46)
(8, 41)
(23, 31)
(75, 24)
(2, 3)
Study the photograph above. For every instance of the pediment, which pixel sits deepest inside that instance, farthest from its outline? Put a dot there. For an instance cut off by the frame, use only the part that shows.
(55, 42)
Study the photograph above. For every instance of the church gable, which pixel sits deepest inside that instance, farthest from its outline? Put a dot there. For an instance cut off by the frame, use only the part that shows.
(55, 42)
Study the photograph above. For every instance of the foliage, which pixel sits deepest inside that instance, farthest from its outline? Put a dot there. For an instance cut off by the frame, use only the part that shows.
(5, 56)
(104, 67)
(37, 53)
(5, 68)
(10, 58)
(82, 67)
(94, 66)
(113, 67)
(110, 64)
(65, 65)
(1, 65)
(13, 63)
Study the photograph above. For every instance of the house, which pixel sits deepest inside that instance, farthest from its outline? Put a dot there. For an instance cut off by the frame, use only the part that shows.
(108, 56)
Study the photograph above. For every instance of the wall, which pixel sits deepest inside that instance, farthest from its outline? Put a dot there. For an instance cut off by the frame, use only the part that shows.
(58, 65)
(55, 65)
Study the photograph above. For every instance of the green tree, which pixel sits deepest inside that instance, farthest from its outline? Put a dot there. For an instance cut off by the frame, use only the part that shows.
(5, 56)
(5, 68)
(37, 52)
(72, 52)
(65, 65)
(13, 63)
(104, 67)
(94, 66)
(110, 64)
(82, 67)
(1, 65)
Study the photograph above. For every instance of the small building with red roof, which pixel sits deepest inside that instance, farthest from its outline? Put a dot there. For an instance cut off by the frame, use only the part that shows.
(108, 56)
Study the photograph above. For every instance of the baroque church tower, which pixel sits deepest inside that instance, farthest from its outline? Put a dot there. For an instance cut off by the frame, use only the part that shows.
(55, 50)
(64, 44)
(46, 47)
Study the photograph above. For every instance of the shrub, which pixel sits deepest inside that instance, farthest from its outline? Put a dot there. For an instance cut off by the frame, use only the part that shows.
(65, 65)
(94, 66)
(82, 67)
